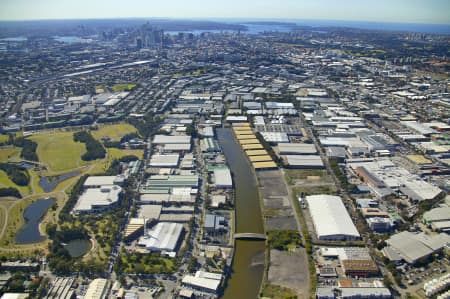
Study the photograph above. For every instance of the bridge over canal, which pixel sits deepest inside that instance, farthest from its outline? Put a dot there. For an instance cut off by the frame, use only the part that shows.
(249, 236)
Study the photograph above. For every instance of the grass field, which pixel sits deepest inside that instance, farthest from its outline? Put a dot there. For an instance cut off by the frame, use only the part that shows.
(305, 173)
(122, 87)
(59, 152)
(277, 292)
(9, 154)
(115, 132)
(3, 138)
(314, 190)
(3, 212)
(116, 153)
(113, 153)
(5, 182)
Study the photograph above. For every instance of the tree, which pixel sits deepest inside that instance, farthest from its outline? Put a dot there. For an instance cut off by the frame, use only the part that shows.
(387, 281)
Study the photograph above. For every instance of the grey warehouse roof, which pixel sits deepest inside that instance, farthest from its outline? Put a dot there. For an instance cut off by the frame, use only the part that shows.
(330, 217)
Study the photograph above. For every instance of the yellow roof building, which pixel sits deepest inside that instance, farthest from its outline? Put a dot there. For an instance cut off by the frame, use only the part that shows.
(249, 141)
(264, 165)
(254, 146)
(265, 158)
(256, 153)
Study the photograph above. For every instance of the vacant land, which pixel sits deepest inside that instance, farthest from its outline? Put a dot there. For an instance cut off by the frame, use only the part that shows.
(115, 132)
(277, 292)
(313, 190)
(289, 270)
(302, 174)
(123, 87)
(59, 152)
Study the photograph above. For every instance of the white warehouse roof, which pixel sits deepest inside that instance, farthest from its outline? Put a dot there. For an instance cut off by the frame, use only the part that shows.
(203, 280)
(222, 178)
(158, 160)
(330, 217)
(304, 161)
(164, 236)
(297, 148)
(97, 199)
(99, 181)
(165, 139)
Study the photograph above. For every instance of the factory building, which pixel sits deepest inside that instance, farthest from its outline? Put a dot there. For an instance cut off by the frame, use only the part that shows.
(438, 219)
(297, 149)
(222, 178)
(97, 289)
(331, 219)
(304, 161)
(100, 193)
(164, 236)
(352, 293)
(412, 247)
(203, 281)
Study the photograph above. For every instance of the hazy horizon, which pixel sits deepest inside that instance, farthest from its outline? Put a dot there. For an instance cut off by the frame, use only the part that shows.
(381, 11)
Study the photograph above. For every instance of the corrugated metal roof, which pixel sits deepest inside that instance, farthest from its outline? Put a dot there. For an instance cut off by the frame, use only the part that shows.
(249, 141)
(330, 217)
(256, 153)
(245, 136)
(264, 165)
(252, 146)
(265, 158)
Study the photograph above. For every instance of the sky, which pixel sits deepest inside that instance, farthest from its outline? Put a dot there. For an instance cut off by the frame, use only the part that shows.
(397, 11)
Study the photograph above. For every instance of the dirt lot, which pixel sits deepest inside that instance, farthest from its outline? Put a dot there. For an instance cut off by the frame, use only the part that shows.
(281, 223)
(276, 202)
(272, 184)
(289, 269)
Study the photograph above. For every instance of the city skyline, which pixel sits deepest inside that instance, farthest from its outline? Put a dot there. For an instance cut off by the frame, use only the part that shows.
(400, 11)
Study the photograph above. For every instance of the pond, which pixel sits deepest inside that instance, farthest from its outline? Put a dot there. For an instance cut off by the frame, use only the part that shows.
(48, 183)
(29, 232)
(77, 248)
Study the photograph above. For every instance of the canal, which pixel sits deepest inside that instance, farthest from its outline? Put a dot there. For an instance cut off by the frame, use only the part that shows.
(248, 262)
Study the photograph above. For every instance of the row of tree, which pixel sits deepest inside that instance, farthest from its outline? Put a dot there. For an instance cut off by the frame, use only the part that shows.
(16, 173)
(10, 192)
(116, 164)
(28, 148)
(146, 126)
(94, 149)
(64, 215)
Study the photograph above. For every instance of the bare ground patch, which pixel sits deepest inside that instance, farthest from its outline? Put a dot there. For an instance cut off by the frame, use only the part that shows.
(290, 270)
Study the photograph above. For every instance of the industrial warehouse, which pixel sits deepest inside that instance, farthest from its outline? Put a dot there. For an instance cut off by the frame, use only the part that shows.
(100, 193)
(164, 236)
(331, 219)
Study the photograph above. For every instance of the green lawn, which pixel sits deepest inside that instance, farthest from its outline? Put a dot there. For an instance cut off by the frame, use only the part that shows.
(145, 263)
(3, 138)
(277, 292)
(115, 153)
(123, 87)
(115, 132)
(59, 152)
(5, 182)
(9, 153)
